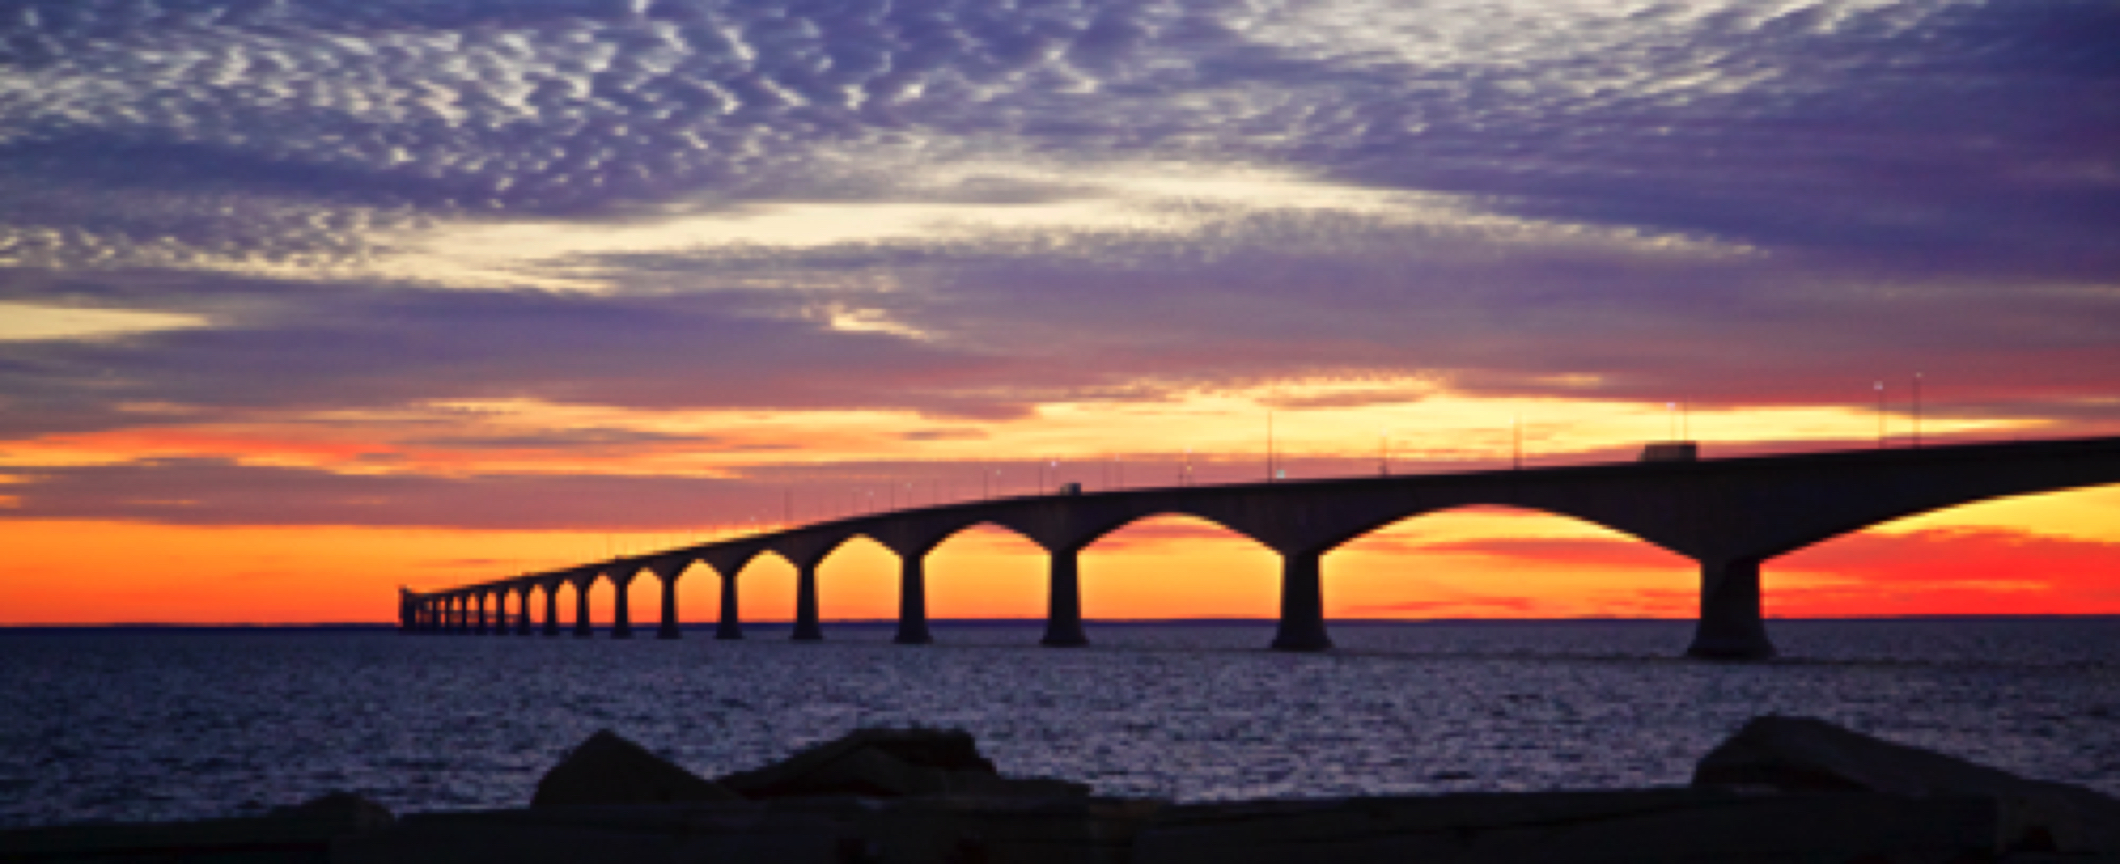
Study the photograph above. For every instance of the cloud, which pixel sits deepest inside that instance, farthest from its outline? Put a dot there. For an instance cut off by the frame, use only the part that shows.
(1616, 553)
(1976, 135)
(220, 492)
(319, 350)
(1507, 606)
(1928, 572)
(27, 322)
(969, 211)
(1942, 558)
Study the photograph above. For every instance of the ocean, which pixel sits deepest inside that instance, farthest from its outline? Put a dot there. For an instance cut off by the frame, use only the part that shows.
(166, 724)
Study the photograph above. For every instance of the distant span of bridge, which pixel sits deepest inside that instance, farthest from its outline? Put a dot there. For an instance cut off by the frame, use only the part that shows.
(1730, 515)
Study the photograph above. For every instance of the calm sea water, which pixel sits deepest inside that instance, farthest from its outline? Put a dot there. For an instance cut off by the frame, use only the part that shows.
(158, 725)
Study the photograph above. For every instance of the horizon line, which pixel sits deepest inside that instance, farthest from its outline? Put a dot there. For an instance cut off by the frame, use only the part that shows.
(890, 622)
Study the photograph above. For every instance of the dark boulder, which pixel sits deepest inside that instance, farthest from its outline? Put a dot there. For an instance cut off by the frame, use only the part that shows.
(343, 808)
(1791, 754)
(607, 769)
(891, 763)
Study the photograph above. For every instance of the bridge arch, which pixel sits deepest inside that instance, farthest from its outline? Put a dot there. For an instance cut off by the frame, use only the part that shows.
(1382, 520)
(2035, 553)
(988, 569)
(1851, 524)
(1498, 560)
(590, 605)
(1176, 564)
(1090, 535)
(857, 579)
(765, 587)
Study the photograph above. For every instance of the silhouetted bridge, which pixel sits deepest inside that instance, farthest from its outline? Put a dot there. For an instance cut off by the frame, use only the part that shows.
(1730, 515)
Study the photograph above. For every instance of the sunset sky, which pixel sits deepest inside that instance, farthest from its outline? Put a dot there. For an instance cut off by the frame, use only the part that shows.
(304, 300)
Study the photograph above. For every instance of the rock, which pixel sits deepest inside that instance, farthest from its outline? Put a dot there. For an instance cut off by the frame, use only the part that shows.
(343, 808)
(607, 769)
(1808, 754)
(1697, 826)
(891, 763)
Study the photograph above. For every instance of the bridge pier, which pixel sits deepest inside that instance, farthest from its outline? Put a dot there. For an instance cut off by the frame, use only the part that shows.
(1302, 625)
(500, 613)
(621, 619)
(1063, 608)
(807, 627)
(1731, 626)
(582, 628)
(478, 620)
(731, 624)
(460, 615)
(523, 624)
(912, 599)
(552, 609)
(668, 630)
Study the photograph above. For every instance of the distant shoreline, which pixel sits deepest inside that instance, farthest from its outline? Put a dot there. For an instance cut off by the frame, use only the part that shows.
(708, 626)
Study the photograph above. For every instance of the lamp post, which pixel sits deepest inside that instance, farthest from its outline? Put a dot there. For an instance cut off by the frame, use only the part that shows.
(1516, 434)
(1917, 410)
(1383, 453)
(1880, 415)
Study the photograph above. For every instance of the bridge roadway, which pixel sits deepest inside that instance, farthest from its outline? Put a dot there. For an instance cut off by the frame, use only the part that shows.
(1730, 515)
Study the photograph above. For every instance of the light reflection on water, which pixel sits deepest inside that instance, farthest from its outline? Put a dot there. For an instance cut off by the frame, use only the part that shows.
(152, 725)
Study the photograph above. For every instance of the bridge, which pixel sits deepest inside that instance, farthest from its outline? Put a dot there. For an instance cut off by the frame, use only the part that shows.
(1730, 515)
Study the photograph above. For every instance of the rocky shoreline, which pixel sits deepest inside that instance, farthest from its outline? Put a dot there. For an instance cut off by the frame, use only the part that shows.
(1783, 789)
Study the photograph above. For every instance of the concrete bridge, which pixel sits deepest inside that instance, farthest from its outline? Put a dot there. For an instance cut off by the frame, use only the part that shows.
(1730, 515)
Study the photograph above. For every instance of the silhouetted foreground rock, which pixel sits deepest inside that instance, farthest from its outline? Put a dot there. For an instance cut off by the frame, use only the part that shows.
(1805, 754)
(893, 763)
(607, 769)
(1781, 790)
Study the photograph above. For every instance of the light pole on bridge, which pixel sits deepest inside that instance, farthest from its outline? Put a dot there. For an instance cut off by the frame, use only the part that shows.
(1880, 415)
(1917, 410)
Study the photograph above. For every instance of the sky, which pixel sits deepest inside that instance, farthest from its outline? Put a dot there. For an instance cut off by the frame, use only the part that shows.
(305, 300)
